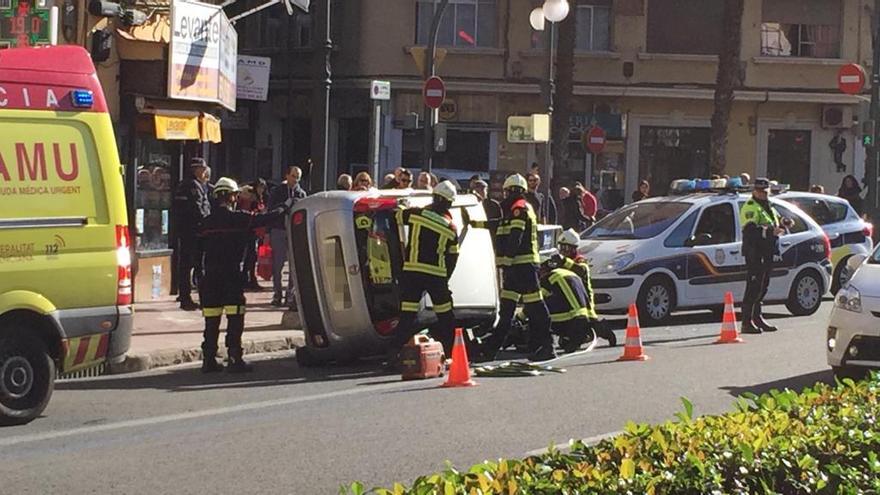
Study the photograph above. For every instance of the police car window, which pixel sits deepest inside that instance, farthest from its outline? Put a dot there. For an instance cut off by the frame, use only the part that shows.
(838, 210)
(799, 224)
(817, 209)
(717, 222)
(638, 221)
(682, 233)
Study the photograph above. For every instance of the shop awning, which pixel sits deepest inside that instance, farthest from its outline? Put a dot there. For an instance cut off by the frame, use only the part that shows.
(174, 125)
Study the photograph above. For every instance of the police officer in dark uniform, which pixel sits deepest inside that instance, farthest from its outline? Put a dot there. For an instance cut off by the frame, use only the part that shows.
(517, 255)
(226, 233)
(762, 227)
(191, 205)
(430, 258)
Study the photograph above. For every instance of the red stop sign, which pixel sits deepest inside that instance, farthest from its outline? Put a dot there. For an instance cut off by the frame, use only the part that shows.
(434, 92)
(594, 139)
(851, 79)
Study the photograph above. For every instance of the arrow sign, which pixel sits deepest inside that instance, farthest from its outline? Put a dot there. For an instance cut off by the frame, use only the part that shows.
(434, 92)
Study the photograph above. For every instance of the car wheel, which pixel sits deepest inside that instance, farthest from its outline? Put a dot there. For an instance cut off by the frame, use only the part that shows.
(805, 295)
(851, 372)
(656, 300)
(840, 277)
(27, 378)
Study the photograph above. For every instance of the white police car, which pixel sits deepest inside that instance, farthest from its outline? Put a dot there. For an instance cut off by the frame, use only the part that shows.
(849, 234)
(685, 252)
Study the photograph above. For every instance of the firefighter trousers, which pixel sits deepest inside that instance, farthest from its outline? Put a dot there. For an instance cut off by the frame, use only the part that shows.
(412, 286)
(520, 283)
(234, 329)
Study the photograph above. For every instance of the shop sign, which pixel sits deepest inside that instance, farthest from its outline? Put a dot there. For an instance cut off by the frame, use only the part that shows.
(613, 124)
(530, 129)
(177, 128)
(24, 23)
(202, 55)
(253, 78)
(449, 109)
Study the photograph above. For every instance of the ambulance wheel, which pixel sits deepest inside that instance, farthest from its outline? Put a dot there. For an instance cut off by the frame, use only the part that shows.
(306, 358)
(27, 378)
(805, 295)
(656, 300)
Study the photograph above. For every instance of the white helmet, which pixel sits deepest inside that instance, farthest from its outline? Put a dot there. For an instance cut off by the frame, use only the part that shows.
(226, 185)
(446, 190)
(569, 238)
(516, 180)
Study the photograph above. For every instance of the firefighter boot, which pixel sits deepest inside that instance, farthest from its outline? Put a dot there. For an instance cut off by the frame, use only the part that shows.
(209, 345)
(237, 363)
(760, 322)
(606, 333)
(748, 324)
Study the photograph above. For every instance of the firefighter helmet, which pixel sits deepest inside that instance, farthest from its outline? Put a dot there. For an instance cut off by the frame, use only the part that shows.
(445, 190)
(569, 238)
(225, 185)
(516, 180)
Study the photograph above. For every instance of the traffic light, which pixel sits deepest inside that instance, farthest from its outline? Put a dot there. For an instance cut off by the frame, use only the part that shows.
(869, 132)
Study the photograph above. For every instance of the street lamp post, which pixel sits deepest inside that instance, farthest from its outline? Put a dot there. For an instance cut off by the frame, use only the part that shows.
(430, 69)
(553, 11)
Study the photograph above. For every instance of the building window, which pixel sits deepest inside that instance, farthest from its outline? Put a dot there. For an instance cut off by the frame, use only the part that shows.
(800, 28)
(465, 23)
(675, 25)
(593, 28)
(789, 157)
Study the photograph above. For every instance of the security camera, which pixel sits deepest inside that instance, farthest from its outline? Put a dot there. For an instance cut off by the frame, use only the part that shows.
(102, 8)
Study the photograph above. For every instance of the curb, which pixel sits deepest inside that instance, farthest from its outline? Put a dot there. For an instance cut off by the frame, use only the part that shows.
(134, 363)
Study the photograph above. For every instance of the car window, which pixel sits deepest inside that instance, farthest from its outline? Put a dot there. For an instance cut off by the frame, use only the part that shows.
(816, 208)
(717, 221)
(682, 233)
(838, 210)
(799, 224)
(638, 221)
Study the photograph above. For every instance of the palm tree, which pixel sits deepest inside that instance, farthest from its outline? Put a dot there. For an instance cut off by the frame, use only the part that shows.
(727, 80)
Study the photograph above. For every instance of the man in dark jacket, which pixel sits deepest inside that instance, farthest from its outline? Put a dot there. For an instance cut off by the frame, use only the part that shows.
(570, 214)
(290, 189)
(191, 205)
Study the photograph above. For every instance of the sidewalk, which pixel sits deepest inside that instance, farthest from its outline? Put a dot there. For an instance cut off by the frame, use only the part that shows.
(165, 335)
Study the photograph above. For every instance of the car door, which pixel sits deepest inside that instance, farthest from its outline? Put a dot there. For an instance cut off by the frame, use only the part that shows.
(715, 264)
(786, 266)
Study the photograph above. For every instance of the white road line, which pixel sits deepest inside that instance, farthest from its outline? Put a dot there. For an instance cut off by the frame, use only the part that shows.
(564, 446)
(170, 418)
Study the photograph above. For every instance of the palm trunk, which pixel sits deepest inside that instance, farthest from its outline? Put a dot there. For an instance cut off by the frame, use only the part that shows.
(727, 80)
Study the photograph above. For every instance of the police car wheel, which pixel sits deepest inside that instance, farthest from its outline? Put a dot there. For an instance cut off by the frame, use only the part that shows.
(805, 295)
(656, 300)
(27, 378)
(840, 277)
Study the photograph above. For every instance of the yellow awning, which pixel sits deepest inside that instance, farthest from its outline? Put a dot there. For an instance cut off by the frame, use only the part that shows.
(177, 127)
(210, 128)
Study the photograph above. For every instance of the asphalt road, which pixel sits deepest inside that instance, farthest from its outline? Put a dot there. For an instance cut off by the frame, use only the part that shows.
(284, 429)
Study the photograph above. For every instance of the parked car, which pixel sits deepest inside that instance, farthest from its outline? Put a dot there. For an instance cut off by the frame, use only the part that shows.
(848, 233)
(684, 252)
(853, 341)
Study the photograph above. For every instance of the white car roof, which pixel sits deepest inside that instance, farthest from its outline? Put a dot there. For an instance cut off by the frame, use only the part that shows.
(809, 195)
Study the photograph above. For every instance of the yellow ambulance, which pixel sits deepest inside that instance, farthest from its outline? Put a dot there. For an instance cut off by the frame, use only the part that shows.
(65, 262)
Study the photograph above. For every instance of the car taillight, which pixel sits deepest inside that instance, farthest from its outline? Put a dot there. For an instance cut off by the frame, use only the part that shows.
(298, 217)
(868, 230)
(827, 243)
(123, 266)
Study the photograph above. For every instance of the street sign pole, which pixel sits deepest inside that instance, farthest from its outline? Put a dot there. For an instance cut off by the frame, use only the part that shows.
(430, 68)
(871, 160)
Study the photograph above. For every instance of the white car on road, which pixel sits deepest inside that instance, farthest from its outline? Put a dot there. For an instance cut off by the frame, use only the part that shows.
(848, 233)
(853, 343)
(685, 252)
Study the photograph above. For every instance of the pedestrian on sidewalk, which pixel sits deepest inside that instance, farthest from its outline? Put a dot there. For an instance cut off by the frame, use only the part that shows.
(191, 206)
(226, 232)
(253, 200)
(290, 189)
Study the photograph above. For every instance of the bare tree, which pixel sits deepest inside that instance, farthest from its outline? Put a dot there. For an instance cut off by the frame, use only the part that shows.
(727, 80)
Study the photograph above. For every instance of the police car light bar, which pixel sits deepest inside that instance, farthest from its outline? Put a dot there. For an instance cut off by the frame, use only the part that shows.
(82, 98)
(726, 186)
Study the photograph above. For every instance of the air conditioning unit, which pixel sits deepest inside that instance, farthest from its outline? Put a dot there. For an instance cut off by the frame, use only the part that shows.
(837, 117)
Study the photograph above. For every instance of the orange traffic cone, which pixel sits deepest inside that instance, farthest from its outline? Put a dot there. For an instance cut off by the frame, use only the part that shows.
(632, 350)
(460, 369)
(729, 334)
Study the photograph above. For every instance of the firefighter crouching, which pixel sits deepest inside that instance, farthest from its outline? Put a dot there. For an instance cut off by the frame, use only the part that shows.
(762, 227)
(430, 258)
(568, 291)
(225, 233)
(517, 256)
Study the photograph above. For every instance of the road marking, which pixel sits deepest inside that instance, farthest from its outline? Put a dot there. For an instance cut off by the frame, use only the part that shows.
(170, 418)
(590, 441)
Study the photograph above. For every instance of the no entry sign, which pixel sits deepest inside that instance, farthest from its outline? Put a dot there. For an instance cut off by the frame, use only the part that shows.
(434, 92)
(851, 79)
(594, 139)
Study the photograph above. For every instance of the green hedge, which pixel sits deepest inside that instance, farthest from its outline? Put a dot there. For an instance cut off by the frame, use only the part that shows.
(824, 440)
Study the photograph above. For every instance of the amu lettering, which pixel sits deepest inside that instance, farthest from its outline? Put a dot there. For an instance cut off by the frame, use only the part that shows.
(31, 163)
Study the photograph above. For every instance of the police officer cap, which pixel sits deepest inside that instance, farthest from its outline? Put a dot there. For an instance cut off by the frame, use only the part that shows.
(762, 183)
(198, 162)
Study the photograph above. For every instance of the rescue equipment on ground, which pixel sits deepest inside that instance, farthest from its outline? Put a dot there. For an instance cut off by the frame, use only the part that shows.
(264, 260)
(516, 369)
(422, 357)
(460, 369)
(729, 334)
(633, 350)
